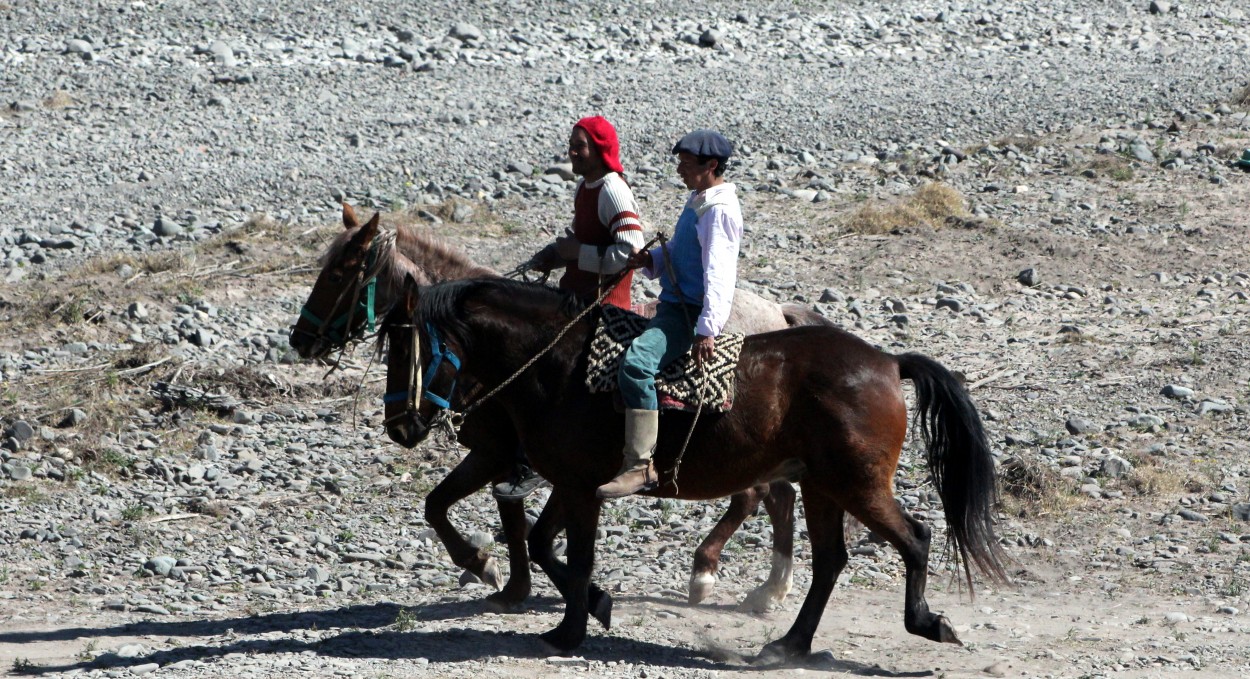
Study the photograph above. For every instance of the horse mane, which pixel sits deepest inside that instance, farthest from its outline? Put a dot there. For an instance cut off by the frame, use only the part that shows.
(438, 259)
(443, 304)
(435, 259)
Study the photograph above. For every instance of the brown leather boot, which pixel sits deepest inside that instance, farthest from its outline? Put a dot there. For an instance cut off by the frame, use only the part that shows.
(642, 427)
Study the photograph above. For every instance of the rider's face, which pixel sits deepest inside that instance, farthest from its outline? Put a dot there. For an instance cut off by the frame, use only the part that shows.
(696, 176)
(583, 155)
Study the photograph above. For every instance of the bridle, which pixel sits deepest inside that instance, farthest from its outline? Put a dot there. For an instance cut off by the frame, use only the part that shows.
(340, 327)
(439, 353)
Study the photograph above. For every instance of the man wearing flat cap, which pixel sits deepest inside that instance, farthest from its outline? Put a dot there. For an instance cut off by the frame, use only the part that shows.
(696, 294)
(605, 232)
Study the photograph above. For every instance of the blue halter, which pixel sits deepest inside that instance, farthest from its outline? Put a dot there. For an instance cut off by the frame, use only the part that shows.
(438, 353)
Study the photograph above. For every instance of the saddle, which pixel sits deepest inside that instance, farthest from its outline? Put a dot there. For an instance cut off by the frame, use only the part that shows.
(678, 384)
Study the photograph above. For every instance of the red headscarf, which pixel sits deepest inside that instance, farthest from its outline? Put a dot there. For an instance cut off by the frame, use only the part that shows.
(603, 135)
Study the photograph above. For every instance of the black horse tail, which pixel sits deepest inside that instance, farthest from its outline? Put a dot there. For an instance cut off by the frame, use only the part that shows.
(961, 464)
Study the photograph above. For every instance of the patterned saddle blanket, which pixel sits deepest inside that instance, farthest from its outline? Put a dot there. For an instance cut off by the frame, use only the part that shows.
(678, 384)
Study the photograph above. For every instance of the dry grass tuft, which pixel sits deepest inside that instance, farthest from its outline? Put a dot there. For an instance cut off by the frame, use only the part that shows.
(147, 263)
(1031, 488)
(1026, 143)
(931, 205)
(485, 220)
(59, 99)
(938, 201)
(199, 505)
(255, 383)
(1154, 481)
(1242, 98)
(1114, 166)
(1150, 477)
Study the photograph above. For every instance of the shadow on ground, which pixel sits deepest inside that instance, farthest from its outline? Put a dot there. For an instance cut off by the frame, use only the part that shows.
(366, 638)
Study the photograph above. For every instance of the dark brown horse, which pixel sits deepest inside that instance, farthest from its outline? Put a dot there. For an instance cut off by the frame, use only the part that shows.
(816, 399)
(362, 276)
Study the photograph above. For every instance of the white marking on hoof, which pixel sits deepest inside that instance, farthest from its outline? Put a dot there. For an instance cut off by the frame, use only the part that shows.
(758, 601)
(701, 587)
(781, 577)
(774, 590)
(491, 575)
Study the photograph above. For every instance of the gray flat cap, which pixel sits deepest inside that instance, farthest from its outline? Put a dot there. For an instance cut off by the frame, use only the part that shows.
(704, 143)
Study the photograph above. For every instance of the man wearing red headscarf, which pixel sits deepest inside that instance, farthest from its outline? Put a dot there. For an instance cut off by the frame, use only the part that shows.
(606, 229)
(605, 232)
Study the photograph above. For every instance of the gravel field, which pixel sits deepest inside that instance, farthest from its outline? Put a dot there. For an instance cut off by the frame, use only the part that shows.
(1041, 196)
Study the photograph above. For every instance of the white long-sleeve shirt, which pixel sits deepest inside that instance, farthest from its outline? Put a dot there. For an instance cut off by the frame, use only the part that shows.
(719, 229)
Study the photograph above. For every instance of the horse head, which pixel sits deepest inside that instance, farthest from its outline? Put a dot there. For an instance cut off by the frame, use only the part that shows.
(402, 419)
(421, 371)
(344, 300)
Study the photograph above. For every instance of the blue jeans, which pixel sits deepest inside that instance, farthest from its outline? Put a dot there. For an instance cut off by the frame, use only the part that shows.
(667, 338)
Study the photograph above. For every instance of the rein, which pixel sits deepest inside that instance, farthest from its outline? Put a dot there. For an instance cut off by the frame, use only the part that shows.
(450, 421)
(453, 420)
(668, 266)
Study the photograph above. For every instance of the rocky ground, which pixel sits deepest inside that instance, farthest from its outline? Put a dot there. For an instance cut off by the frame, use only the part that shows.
(1041, 196)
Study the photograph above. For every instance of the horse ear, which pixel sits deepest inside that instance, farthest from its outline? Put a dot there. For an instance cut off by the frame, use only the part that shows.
(367, 232)
(349, 217)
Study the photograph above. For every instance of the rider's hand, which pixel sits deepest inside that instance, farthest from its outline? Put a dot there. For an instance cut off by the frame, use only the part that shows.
(567, 246)
(546, 259)
(702, 349)
(639, 259)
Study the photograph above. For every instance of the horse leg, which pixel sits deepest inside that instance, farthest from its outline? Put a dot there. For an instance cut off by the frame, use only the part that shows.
(541, 542)
(515, 530)
(581, 518)
(829, 557)
(707, 556)
(779, 503)
(473, 472)
(911, 538)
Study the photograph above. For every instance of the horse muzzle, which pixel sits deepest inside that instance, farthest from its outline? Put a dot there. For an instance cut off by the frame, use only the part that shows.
(408, 430)
(308, 345)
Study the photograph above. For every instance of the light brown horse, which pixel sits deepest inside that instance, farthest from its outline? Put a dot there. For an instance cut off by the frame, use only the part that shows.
(341, 307)
(814, 398)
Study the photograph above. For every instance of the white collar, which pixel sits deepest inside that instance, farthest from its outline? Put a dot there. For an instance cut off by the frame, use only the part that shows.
(598, 182)
(721, 194)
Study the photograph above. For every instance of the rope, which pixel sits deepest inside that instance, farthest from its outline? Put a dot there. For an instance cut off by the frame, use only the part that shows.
(456, 419)
(523, 270)
(450, 422)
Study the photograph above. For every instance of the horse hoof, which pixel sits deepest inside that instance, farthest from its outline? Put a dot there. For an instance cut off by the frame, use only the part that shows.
(601, 610)
(490, 574)
(760, 600)
(772, 655)
(946, 632)
(504, 602)
(557, 642)
(701, 587)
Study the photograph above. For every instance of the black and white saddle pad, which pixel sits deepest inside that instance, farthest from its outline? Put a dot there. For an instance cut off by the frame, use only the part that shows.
(679, 383)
